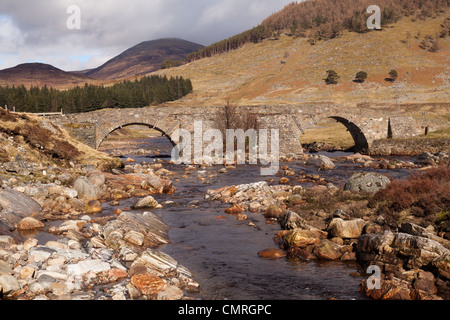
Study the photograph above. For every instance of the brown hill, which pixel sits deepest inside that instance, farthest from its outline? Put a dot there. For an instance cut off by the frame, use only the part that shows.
(39, 74)
(292, 71)
(144, 58)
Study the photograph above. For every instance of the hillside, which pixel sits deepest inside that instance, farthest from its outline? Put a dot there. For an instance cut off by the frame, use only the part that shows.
(143, 58)
(291, 70)
(39, 74)
(37, 141)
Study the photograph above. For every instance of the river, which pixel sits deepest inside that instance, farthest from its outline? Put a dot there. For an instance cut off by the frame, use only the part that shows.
(222, 253)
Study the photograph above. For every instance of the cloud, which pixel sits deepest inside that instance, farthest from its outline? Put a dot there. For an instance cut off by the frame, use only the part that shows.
(38, 30)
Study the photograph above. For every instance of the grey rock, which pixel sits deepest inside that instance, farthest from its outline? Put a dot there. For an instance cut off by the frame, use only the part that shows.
(83, 267)
(8, 284)
(161, 263)
(97, 179)
(17, 167)
(40, 254)
(6, 242)
(147, 203)
(321, 162)
(367, 182)
(46, 281)
(86, 190)
(417, 230)
(346, 229)
(16, 206)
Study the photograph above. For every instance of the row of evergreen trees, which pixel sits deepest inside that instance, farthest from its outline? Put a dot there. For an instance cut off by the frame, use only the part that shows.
(254, 35)
(150, 90)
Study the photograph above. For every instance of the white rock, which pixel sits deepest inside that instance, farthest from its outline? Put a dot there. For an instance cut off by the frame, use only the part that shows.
(86, 266)
(8, 284)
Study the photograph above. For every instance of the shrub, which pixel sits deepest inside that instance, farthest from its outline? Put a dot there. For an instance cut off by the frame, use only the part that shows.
(425, 195)
(361, 76)
(393, 74)
(332, 77)
(169, 63)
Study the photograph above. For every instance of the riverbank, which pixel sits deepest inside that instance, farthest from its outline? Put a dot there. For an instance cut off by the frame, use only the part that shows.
(408, 245)
(63, 236)
(86, 236)
(152, 230)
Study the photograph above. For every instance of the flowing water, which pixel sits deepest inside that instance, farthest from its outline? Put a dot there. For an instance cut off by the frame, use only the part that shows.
(222, 253)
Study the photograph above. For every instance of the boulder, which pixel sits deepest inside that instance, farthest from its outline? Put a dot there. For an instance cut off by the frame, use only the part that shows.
(417, 230)
(321, 162)
(147, 203)
(97, 179)
(8, 284)
(29, 223)
(148, 284)
(157, 185)
(86, 190)
(85, 266)
(327, 250)
(235, 209)
(19, 167)
(93, 206)
(155, 231)
(367, 182)
(401, 250)
(6, 242)
(274, 211)
(16, 206)
(346, 229)
(160, 263)
(300, 238)
(394, 289)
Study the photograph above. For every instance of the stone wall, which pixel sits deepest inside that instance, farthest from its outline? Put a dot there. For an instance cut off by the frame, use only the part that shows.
(366, 124)
(84, 132)
(409, 146)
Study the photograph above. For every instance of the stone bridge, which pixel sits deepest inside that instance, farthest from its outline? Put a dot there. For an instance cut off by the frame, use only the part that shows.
(364, 124)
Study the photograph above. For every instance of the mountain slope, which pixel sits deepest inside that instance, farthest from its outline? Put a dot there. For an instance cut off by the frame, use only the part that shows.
(39, 74)
(143, 58)
(290, 70)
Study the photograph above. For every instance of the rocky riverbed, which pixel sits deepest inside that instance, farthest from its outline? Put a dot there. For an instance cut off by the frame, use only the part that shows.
(66, 234)
(328, 223)
(57, 242)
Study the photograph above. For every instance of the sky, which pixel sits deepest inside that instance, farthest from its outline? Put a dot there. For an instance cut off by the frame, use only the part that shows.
(83, 34)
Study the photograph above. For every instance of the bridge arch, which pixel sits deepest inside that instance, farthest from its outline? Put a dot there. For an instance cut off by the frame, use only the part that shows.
(163, 133)
(361, 143)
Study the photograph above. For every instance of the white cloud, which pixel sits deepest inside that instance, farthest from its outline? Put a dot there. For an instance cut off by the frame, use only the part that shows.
(37, 31)
(11, 37)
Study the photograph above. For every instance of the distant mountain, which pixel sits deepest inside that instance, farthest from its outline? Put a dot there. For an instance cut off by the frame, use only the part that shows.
(143, 58)
(40, 74)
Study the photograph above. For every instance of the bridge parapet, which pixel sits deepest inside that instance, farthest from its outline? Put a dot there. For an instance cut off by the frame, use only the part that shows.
(364, 124)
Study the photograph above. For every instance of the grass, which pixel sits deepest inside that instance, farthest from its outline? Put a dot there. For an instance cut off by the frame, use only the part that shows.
(34, 142)
(133, 133)
(330, 132)
(255, 75)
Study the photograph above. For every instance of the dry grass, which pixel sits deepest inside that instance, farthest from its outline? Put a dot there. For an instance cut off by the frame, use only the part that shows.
(38, 141)
(330, 132)
(254, 74)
